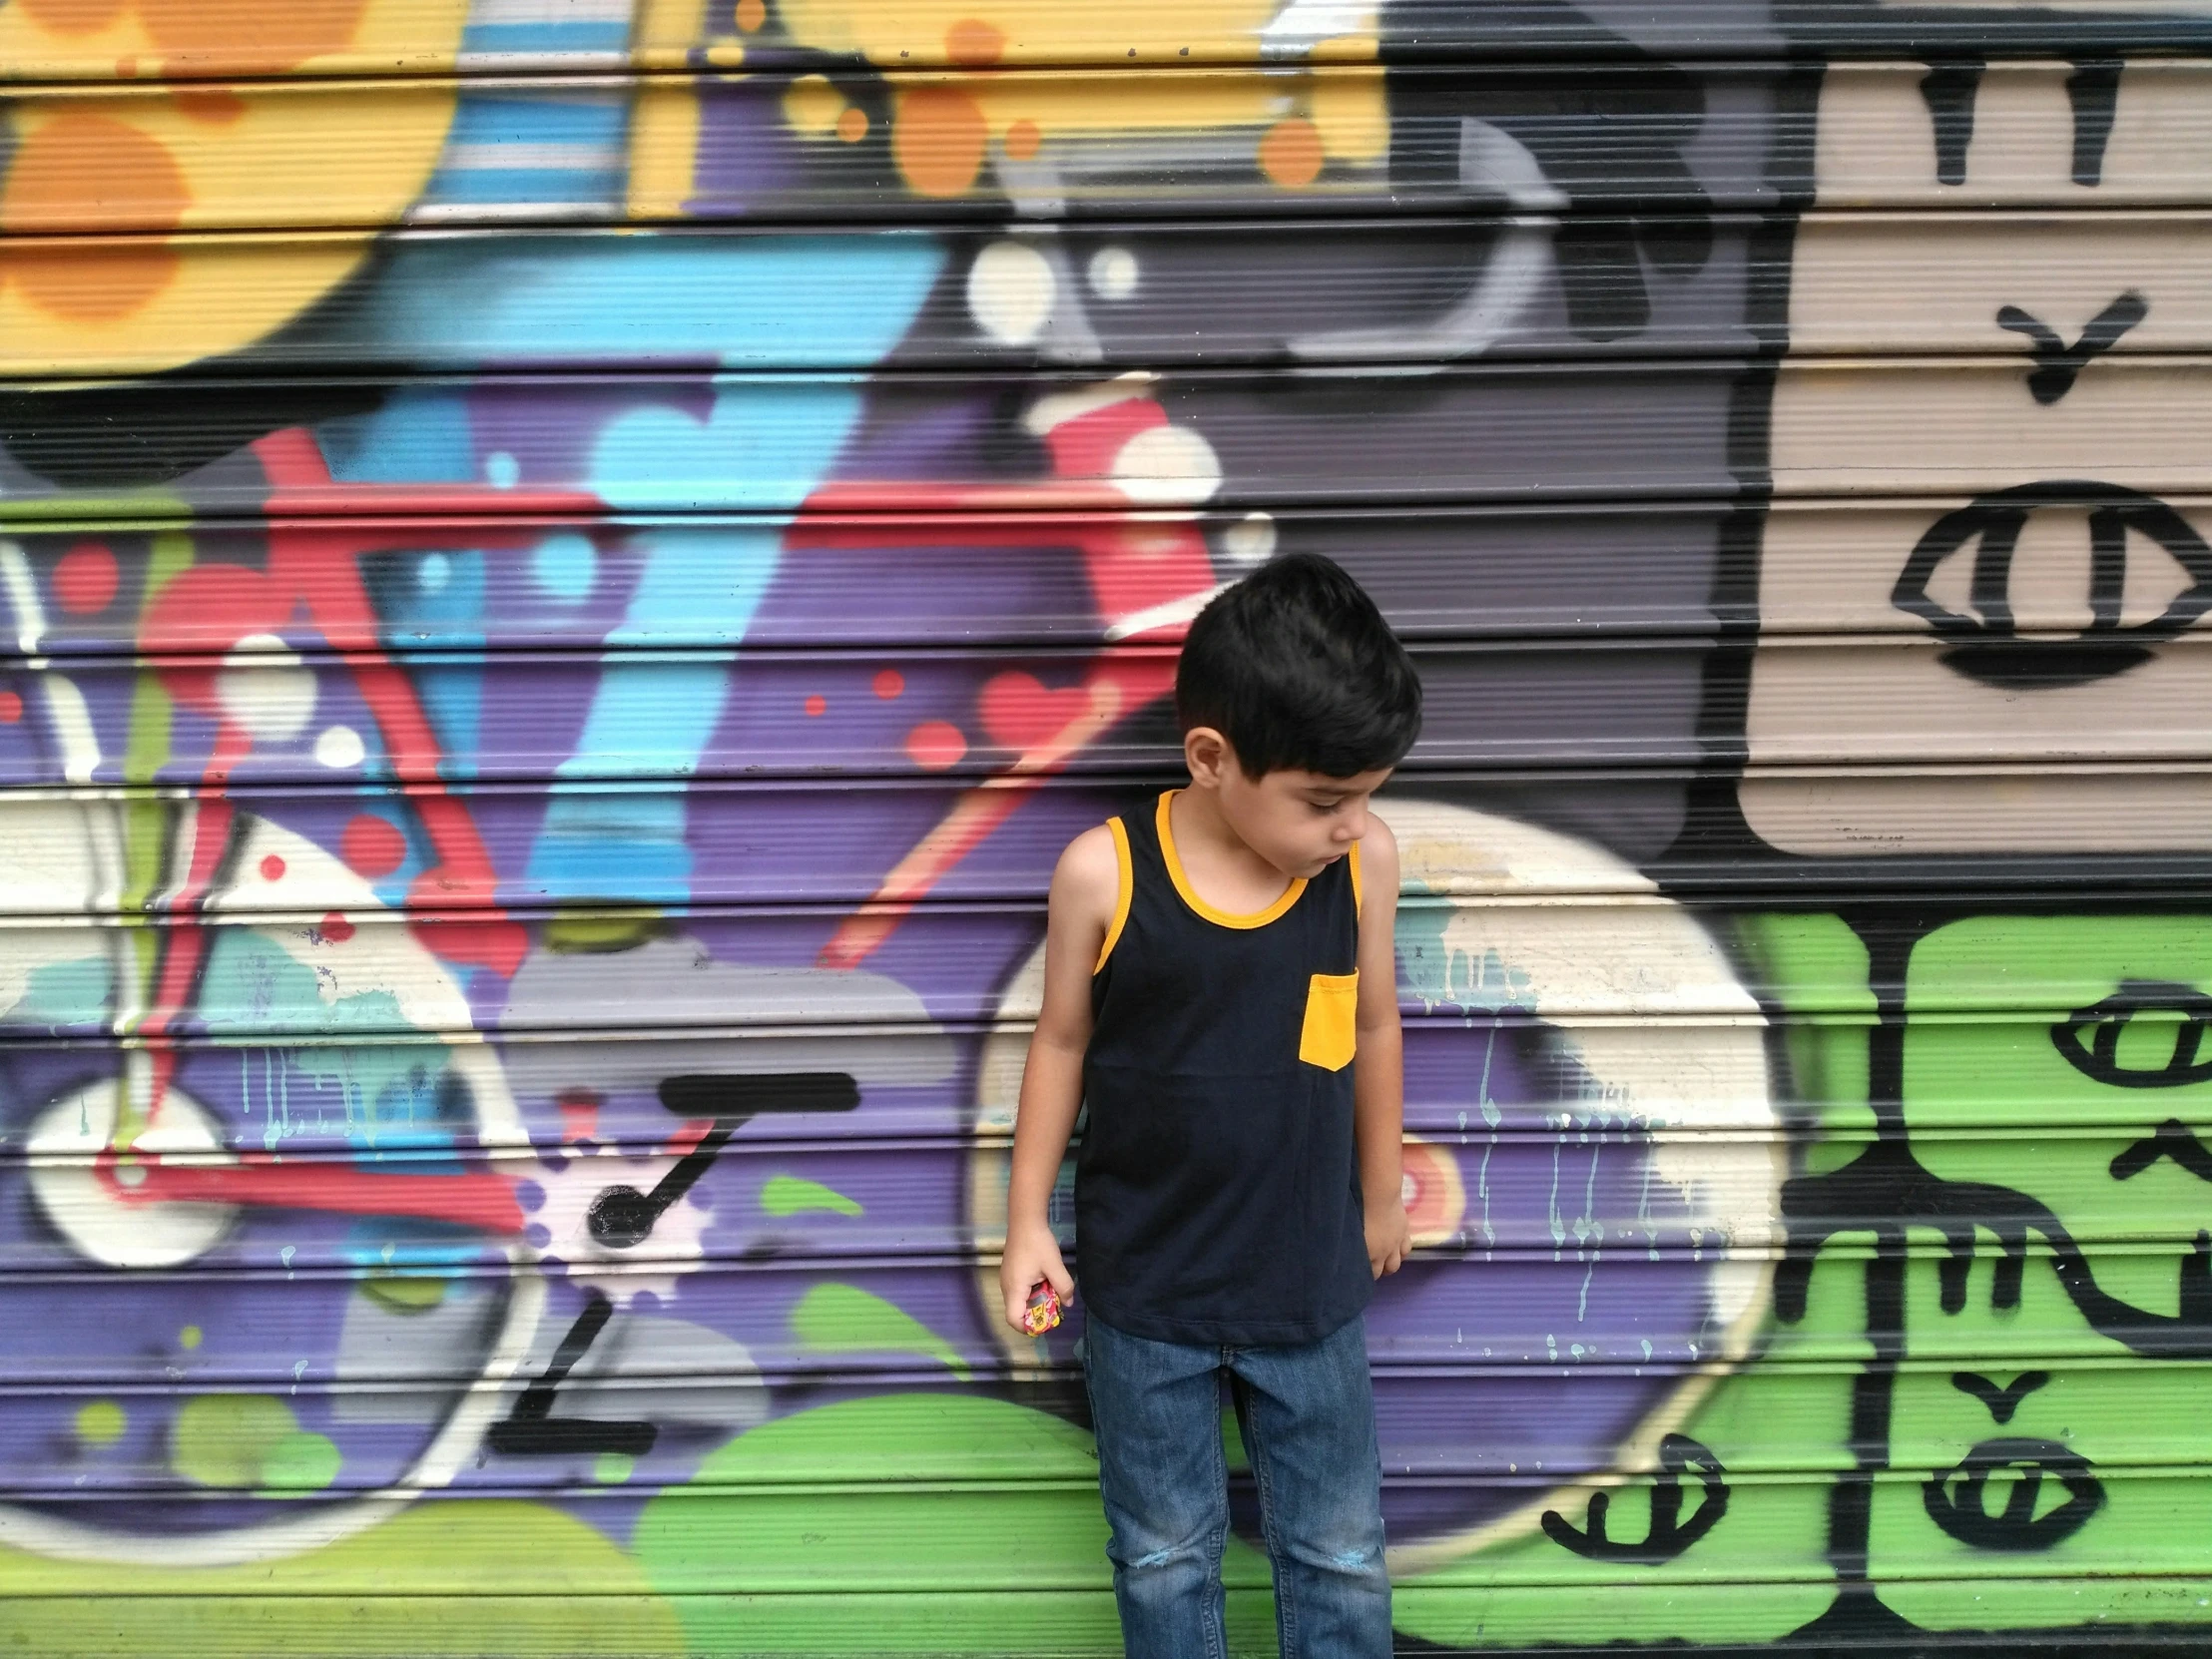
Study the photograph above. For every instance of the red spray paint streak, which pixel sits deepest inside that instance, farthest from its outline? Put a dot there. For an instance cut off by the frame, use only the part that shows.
(324, 579)
(1137, 568)
(313, 574)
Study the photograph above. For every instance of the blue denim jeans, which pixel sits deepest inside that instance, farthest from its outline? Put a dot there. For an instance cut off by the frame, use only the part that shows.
(1307, 1414)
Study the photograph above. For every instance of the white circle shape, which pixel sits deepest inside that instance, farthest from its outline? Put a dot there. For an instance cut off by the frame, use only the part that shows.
(1167, 466)
(97, 1218)
(1251, 540)
(1113, 273)
(1011, 290)
(340, 748)
(263, 687)
(434, 571)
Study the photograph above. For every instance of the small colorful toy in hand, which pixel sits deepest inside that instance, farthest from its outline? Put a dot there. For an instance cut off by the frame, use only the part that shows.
(1042, 1311)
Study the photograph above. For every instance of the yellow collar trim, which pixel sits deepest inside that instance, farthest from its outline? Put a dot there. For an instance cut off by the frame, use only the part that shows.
(1223, 918)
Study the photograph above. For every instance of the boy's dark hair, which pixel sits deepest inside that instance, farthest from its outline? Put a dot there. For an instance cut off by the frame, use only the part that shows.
(1298, 670)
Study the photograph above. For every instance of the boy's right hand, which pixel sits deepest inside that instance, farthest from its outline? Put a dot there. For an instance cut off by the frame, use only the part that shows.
(1031, 1254)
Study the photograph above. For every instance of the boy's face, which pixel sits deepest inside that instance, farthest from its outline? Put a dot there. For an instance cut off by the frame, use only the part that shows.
(1300, 821)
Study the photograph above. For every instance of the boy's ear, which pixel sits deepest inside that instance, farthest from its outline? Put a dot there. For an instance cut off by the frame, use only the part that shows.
(1207, 753)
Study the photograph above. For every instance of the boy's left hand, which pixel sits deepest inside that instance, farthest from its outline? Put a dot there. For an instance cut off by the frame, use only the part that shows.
(1390, 1237)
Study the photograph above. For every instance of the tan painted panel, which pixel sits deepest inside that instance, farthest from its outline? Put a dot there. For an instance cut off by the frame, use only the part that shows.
(1877, 143)
(1836, 569)
(1921, 282)
(1859, 814)
(1901, 702)
(1970, 426)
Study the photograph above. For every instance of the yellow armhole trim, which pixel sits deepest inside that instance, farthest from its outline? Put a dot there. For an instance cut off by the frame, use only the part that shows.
(1359, 887)
(1126, 888)
(1257, 918)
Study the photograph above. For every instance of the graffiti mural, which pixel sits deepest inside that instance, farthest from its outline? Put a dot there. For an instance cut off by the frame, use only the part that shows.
(569, 565)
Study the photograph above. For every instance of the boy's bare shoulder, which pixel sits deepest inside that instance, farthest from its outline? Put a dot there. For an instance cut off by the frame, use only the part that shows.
(1089, 868)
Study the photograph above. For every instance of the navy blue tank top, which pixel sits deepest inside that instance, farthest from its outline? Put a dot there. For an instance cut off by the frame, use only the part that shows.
(1217, 1186)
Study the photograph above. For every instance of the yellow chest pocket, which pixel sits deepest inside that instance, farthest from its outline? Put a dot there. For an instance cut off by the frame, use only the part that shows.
(1331, 1028)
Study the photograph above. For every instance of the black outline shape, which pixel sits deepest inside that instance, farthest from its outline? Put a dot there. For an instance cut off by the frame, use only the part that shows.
(1949, 89)
(1989, 648)
(2001, 1403)
(2056, 362)
(2018, 1529)
(621, 1216)
(2097, 1058)
(1670, 1535)
(2093, 91)
(531, 1430)
(2172, 1139)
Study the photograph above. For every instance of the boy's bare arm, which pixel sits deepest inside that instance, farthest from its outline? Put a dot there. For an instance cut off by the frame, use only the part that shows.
(1085, 890)
(1378, 1068)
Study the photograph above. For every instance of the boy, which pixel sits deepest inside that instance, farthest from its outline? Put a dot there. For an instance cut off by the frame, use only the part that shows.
(1211, 967)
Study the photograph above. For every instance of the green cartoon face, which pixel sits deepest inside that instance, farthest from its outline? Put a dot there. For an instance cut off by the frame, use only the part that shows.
(2055, 1086)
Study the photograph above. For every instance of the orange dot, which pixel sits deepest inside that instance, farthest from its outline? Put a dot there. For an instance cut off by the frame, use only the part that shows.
(73, 17)
(210, 106)
(973, 43)
(1289, 154)
(88, 172)
(853, 124)
(890, 683)
(280, 36)
(751, 15)
(11, 708)
(82, 172)
(817, 705)
(1022, 139)
(935, 745)
(937, 140)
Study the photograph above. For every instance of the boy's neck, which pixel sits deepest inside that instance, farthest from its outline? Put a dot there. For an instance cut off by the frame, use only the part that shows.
(1220, 863)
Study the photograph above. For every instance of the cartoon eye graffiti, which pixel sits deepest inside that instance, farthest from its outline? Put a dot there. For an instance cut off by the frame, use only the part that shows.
(2140, 1014)
(1989, 647)
(1956, 1499)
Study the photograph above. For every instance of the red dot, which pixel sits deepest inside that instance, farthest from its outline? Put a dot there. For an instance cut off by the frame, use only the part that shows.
(889, 683)
(817, 704)
(272, 869)
(11, 708)
(372, 846)
(336, 928)
(85, 578)
(935, 745)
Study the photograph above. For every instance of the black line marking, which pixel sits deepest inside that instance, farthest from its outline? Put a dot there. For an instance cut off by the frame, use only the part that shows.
(2056, 362)
(531, 1430)
(1669, 1535)
(2090, 1039)
(2172, 1139)
(1949, 90)
(2016, 1529)
(2093, 89)
(2002, 1402)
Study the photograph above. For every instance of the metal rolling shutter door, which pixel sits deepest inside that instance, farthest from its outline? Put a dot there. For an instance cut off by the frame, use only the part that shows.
(572, 567)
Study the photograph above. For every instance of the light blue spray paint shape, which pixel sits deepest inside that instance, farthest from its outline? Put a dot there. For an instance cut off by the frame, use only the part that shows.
(565, 565)
(419, 435)
(764, 302)
(765, 445)
(441, 605)
(72, 993)
(651, 720)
